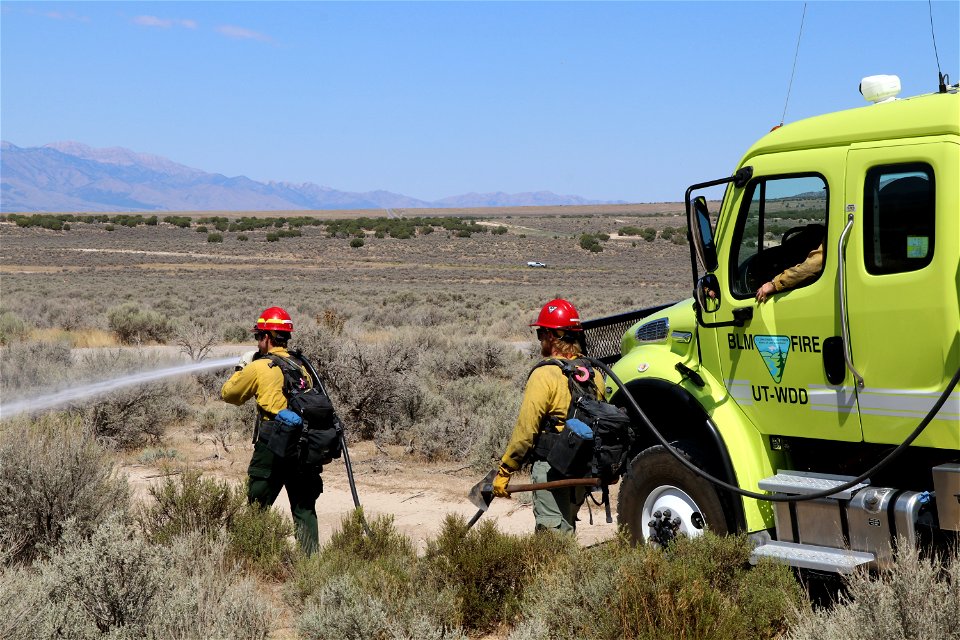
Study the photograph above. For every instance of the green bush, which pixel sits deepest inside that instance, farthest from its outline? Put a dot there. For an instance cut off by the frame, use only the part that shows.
(649, 234)
(201, 229)
(590, 242)
(51, 472)
(108, 227)
(214, 237)
(488, 571)
(242, 238)
(273, 237)
(697, 588)
(356, 243)
(630, 231)
(498, 230)
(134, 325)
(189, 504)
(259, 539)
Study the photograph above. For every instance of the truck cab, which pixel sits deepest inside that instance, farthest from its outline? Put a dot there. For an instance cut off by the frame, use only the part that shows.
(850, 223)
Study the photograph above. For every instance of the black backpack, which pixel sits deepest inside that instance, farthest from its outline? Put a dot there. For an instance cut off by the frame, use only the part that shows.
(317, 441)
(606, 454)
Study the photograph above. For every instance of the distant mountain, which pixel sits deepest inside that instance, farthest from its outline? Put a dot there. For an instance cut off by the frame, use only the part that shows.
(70, 176)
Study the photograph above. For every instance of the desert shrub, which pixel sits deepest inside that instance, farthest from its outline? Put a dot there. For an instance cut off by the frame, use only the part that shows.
(189, 504)
(343, 609)
(134, 325)
(914, 598)
(473, 356)
(201, 229)
(679, 237)
(590, 242)
(134, 416)
(497, 231)
(649, 234)
(51, 472)
(214, 237)
(32, 364)
(12, 327)
(242, 237)
(373, 386)
(260, 539)
(273, 237)
(488, 571)
(369, 583)
(108, 227)
(356, 243)
(154, 455)
(697, 588)
(630, 231)
(115, 585)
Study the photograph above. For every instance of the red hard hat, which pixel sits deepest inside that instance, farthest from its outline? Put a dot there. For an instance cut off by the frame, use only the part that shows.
(558, 314)
(274, 319)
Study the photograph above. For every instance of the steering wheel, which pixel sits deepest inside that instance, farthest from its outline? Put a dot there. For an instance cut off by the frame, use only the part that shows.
(793, 231)
(746, 278)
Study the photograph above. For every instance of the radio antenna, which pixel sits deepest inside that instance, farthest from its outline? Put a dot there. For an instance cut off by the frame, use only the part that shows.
(796, 54)
(943, 79)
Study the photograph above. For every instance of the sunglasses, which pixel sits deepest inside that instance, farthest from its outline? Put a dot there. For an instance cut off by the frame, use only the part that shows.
(543, 333)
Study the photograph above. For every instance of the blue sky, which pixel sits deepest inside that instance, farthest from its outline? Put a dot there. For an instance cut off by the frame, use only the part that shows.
(614, 101)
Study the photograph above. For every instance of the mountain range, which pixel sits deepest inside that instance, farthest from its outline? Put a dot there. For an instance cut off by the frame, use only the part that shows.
(72, 177)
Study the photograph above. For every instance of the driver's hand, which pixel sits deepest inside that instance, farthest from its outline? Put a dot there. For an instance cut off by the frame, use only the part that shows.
(765, 291)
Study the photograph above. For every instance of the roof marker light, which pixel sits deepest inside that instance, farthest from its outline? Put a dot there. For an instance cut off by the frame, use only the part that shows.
(879, 89)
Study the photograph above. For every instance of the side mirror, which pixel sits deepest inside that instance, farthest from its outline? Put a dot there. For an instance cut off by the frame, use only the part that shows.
(707, 293)
(702, 234)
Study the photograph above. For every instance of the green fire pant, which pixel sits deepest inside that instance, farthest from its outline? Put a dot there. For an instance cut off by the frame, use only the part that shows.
(557, 508)
(268, 474)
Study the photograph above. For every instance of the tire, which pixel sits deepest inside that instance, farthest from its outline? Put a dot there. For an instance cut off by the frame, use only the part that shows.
(655, 480)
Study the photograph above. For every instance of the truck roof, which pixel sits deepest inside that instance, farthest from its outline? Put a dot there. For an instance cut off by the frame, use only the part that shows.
(928, 115)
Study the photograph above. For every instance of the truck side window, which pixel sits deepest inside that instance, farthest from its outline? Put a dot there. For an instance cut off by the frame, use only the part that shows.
(781, 221)
(899, 214)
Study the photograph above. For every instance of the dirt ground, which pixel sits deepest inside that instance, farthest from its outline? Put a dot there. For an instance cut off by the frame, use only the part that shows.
(418, 495)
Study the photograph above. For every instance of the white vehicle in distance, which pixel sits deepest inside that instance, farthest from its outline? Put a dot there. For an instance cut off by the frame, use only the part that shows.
(542, 265)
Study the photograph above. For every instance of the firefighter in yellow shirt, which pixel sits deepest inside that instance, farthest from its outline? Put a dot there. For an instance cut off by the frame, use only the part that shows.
(546, 401)
(257, 377)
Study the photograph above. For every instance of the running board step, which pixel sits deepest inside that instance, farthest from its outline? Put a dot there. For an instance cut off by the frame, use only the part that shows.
(803, 483)
(808, 556)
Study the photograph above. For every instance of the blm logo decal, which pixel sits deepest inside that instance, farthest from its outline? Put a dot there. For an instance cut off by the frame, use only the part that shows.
(773, 350)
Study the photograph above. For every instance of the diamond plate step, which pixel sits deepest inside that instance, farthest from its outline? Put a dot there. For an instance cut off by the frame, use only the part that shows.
(804, 483)
(808, 556)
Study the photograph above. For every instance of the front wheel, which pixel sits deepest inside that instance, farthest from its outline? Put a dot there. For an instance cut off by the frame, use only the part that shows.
(661, 499)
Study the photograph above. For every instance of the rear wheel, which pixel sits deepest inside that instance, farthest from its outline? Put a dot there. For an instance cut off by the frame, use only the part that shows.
(661, 499)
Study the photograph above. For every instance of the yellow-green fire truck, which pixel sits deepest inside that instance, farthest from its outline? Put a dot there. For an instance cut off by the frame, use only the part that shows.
(798, 396)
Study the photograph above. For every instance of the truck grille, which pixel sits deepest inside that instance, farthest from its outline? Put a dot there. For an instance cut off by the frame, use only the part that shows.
(603, 335)
(655, 331)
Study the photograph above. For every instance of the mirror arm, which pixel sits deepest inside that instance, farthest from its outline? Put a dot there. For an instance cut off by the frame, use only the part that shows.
(741, 316)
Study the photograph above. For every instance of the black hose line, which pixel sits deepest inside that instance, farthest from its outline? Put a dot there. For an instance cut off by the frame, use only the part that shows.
(341, 433)
(781, 498)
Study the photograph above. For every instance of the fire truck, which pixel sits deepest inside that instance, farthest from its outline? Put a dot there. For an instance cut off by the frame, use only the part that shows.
(825, 420)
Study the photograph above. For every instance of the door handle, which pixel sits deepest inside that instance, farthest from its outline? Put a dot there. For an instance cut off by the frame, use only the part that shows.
(842, 292)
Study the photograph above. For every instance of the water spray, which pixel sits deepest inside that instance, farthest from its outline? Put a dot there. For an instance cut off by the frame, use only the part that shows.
(68, 396)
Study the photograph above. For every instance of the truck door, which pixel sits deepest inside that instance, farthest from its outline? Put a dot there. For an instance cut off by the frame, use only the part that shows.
(902, 297)
(774, 366)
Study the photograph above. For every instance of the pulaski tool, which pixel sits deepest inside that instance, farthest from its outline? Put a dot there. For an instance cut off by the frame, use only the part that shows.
(481, 495)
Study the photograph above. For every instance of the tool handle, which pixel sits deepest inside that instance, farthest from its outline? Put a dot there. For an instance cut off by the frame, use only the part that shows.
(555, 484)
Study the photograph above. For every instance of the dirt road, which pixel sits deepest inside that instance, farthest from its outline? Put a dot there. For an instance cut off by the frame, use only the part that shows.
(417, 495)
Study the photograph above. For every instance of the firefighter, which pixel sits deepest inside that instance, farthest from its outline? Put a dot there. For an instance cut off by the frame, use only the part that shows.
(268, 473)
(546, 401)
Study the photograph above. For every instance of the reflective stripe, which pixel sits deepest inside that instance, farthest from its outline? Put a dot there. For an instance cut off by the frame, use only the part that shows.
(832, 399)
(907, 403)
(740, 390)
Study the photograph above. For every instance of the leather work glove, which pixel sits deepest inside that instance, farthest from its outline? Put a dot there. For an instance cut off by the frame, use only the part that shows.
(246, 359)
(289, 418)
(501, 481)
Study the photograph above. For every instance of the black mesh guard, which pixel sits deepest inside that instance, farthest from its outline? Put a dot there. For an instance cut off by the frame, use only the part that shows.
(602, 336)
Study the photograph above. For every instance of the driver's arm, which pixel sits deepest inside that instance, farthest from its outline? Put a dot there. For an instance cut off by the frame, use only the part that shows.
(794, 276)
